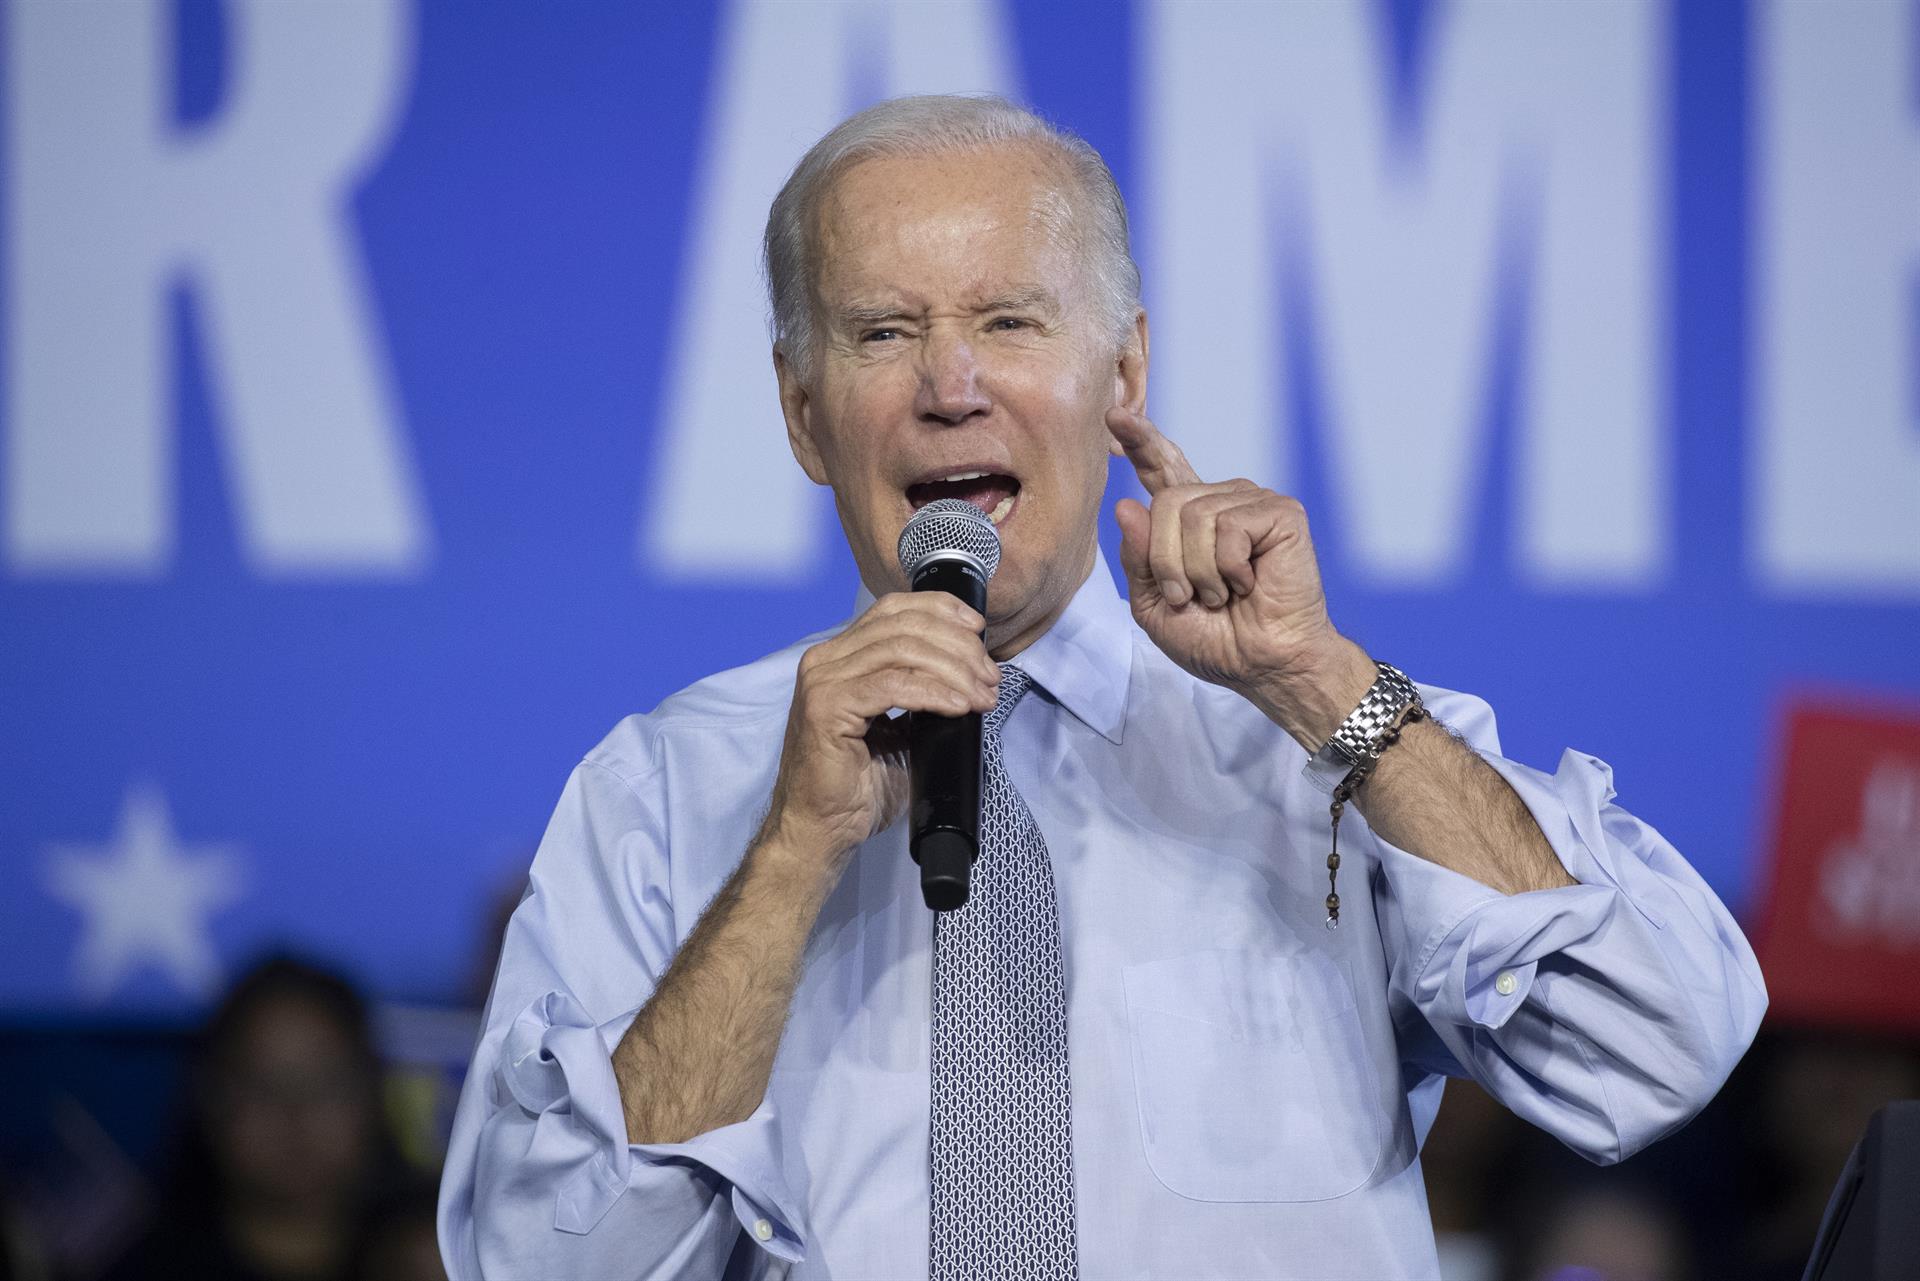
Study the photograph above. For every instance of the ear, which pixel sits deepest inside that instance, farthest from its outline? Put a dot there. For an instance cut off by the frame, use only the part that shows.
(796, 405)
(1130, 374)
(1130, 367)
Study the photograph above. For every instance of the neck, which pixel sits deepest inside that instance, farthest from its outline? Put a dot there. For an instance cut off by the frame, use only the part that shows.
(1009, 636)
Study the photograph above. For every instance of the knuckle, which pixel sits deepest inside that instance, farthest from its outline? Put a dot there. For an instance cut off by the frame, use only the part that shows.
(941, 626)
(924, 607)
(929, 655)
(905, 620)
(903, 649)
(1235, 519)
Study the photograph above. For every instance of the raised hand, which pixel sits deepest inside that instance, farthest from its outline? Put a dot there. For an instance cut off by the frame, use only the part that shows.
(1223, 578)
(843, 770)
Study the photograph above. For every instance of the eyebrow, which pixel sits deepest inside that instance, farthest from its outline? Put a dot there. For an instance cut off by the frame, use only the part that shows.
(856, 315)
(1025, 298)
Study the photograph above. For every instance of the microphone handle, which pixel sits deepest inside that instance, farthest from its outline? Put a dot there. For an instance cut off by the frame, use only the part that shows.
(946, 765)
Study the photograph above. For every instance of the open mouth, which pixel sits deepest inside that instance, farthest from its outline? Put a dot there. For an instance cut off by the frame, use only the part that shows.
(992, 492)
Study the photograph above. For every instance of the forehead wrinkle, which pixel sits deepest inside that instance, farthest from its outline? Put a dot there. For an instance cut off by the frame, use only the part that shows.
(1052, 210)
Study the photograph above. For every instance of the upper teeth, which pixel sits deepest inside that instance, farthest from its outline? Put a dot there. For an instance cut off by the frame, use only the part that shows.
(965, 475)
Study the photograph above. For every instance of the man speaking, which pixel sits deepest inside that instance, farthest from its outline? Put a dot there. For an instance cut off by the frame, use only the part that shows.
(1167, 1035)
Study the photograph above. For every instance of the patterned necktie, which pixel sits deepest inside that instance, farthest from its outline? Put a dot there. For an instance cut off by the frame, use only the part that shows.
(1002, 1194)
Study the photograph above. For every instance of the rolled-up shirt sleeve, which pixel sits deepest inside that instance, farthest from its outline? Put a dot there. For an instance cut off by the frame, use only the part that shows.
(1607, 1012)
(540, 1180)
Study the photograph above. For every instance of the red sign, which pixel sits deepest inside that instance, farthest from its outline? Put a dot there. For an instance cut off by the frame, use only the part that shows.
(1839, 935)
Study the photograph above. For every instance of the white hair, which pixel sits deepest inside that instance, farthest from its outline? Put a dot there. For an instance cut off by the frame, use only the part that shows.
(936, 125)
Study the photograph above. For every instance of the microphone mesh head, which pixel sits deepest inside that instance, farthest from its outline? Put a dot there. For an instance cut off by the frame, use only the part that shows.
(949, 527)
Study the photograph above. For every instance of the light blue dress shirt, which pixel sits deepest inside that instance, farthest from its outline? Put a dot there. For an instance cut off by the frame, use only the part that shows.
(1250, 1088)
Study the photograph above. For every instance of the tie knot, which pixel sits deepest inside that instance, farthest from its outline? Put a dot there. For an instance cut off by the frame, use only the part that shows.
(1013, 684)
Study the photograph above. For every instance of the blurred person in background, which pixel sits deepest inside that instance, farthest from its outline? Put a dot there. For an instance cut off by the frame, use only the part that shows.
(1814, 1092)
(1594, 1232)
(285, 1150)
(400, 1242)
(1473, 1160)
(21, 1256)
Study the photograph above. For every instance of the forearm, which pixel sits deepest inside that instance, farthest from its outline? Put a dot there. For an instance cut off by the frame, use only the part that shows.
(699, 1054)
(1433, 796)
(1430, 794)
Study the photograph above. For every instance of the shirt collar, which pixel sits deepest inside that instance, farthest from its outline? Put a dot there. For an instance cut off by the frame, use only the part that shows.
(1084, 660)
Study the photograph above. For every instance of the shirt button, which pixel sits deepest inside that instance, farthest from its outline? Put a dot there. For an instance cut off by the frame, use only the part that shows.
(1505, 984)
(763, 1229)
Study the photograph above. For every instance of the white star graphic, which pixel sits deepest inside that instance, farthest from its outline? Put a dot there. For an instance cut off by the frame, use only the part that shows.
(146, 898)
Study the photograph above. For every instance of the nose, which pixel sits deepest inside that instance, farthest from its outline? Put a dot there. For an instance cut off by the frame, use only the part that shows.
(949, 390)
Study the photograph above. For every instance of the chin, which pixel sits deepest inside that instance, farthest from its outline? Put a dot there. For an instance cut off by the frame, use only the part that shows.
(1016, 593)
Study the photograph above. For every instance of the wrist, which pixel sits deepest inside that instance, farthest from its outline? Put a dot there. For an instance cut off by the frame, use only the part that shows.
(1312, 697)
(795, 862)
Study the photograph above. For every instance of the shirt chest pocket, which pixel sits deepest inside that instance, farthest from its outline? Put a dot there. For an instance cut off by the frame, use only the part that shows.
(1252, 1076)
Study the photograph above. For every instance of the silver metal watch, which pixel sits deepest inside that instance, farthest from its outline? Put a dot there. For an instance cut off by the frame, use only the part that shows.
(1359, 739)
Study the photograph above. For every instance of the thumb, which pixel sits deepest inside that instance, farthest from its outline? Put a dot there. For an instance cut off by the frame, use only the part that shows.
(1136, 529)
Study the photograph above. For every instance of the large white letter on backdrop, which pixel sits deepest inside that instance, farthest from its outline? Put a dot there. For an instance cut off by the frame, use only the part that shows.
(1836, 367)
(1536, 153)
(112, 205)
(727, 500)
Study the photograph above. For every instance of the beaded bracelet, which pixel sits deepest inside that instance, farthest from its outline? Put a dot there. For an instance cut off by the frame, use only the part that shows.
(1413, 711)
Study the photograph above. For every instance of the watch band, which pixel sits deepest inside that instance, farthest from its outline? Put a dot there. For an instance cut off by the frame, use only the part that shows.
(1358, 740)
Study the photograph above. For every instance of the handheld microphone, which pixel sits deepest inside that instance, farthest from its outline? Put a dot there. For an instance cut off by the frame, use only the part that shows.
(948, 546)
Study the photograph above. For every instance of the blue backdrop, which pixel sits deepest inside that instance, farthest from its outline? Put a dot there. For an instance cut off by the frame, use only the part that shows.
(360, 361)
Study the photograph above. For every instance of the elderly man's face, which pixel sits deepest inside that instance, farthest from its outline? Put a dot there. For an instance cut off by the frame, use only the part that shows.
(962, 355)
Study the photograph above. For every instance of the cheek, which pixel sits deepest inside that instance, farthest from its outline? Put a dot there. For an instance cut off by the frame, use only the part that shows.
(1074, 413)
(851, 438)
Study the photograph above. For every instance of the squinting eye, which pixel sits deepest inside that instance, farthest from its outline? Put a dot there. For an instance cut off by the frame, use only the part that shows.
(875, 335)
(1009, 322)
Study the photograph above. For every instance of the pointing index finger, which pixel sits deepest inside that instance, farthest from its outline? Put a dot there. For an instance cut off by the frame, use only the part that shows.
(1156, 460)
